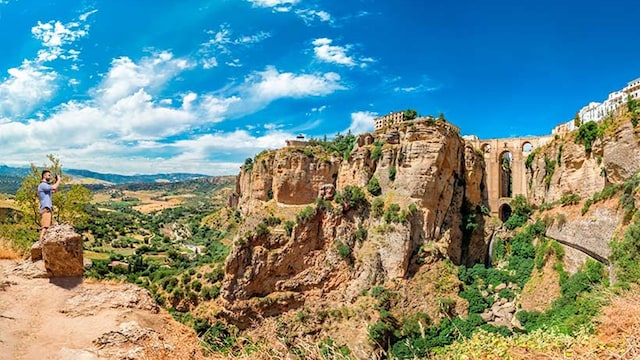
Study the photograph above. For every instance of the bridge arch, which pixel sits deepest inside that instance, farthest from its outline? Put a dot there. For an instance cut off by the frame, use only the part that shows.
(506, 174)
(502, 186)
(505, 212)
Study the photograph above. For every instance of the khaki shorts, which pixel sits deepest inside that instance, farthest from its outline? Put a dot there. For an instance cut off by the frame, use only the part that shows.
(45, 222)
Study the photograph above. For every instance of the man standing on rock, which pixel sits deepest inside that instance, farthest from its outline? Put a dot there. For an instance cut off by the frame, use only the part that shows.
(45, 191)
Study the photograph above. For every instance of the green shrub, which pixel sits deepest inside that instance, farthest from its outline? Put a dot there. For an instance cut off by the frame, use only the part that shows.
(625, 255)
(376, 154)
(288, 227)
(352, 197)
(262, 229)
(392, 214)
(272, 221)
(521, 212)
(377, 207)
(374, 186)
(569, 199)
(576, 306)
(344, 250)
(361, 234)
(549, 169)
(306, 214)
(587, 133)
(392, 173)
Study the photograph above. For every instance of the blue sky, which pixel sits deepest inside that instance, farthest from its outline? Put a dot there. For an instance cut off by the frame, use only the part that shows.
(197, 86)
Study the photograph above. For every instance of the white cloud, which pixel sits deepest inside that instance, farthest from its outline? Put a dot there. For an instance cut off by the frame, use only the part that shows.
(271, 84)
(188, 99)
(126, 77)
(310, 15)
(209, 63)
(55, 36)
(361, 122)
(417, 88)
(277, 5)
(331, 53)
(214, 109)
(26, 87)
(84, 16)
(222, 43)
(234, 63)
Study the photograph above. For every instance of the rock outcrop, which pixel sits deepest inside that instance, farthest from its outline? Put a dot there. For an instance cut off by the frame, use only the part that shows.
(564, 167)
(337, 249)
(62, 251)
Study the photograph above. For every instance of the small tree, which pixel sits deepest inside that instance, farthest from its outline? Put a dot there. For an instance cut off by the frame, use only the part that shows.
(633, 105)
(69, 201)
(410, 114)
(587, 134)
(374, 186)
(577, 122)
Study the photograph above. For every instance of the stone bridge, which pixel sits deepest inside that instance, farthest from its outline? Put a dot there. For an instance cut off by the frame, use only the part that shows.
(505, 169)
(508, 178)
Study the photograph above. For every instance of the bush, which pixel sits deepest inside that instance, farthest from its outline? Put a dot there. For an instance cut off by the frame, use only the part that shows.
(625, 255)
(305, 214)
(569, 199)
(392, 214)
(374, 186)
(377, 207)
(521, 212)
(344, 250)
(376, 154)
(587, 133)
(352, 197)
(392, 173)
(361, 234)
(288, 227)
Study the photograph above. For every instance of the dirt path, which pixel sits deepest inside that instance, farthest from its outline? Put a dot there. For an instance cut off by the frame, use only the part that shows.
(59, 319)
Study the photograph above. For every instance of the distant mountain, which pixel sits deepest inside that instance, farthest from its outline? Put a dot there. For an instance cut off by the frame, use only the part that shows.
(11, 177)
(135, 179)
(13, 171)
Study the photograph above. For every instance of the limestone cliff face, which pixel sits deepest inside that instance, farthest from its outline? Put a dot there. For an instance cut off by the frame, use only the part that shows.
(612, 160)
(289, 175)
(424, 169)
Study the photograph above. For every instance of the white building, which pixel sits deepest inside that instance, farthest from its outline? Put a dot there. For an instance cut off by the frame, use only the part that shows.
(596, 111)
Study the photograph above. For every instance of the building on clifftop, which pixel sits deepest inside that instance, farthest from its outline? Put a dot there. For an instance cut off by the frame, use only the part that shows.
(596, 111)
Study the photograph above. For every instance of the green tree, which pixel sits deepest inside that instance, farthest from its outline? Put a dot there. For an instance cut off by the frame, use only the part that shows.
(633, 105)
(410, 114)
(441, 117)
(587, 134)
(69, 201)
(374, 186)
(577, 122)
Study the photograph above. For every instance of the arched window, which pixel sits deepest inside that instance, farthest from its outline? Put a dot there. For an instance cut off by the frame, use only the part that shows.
(527, 147)
(486, 148)
(506, 180)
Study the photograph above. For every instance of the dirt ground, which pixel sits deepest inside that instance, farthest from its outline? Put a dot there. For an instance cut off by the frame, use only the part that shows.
(69, 318)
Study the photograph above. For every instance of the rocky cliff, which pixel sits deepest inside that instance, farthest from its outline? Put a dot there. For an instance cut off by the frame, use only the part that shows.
(577, 184)
(429, 206)
(564, 167)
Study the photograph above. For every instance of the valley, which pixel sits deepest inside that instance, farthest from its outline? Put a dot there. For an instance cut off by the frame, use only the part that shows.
(376, 246)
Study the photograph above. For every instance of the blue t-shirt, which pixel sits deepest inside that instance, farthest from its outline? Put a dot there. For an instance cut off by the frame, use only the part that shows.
(44, 193)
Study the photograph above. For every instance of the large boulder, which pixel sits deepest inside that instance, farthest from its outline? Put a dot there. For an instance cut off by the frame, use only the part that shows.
(62, 251)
